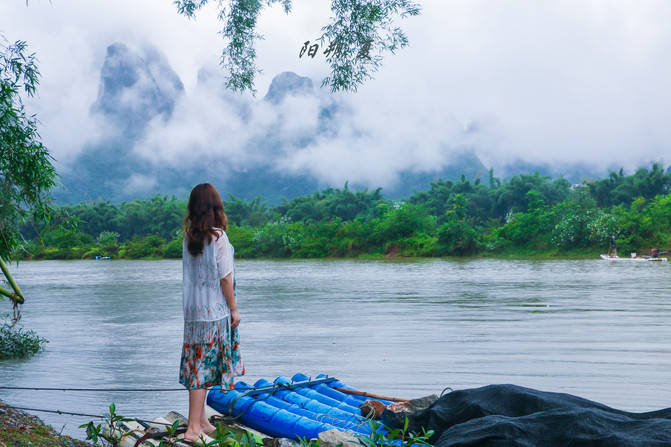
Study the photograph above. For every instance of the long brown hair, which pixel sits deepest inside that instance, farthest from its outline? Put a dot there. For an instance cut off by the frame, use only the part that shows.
(205, 212)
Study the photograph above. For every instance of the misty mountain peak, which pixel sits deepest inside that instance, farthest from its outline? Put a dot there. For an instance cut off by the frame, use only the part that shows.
(287, 83)
(136, 86)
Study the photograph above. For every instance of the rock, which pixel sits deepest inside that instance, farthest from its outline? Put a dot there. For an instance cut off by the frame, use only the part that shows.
(413, 404)
(335, 438)
(279, 442)
(375, 408)
(394, 415)
(423, 402)
(143, 75)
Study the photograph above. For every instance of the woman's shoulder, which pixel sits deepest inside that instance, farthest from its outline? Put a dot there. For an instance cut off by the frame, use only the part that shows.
(221, 234)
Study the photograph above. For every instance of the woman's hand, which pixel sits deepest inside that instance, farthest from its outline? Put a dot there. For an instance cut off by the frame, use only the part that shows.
(235, 318)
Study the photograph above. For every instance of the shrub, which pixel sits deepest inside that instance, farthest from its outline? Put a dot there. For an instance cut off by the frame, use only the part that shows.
(108, 242)
(582, 228)
(457, 235)
(33, 249)
(279, 239)
(418, 245)
(66, 238)
(242, 239)
(404, 222)
(151, 245)
(17, 342)
(458, 238)
(173, 249)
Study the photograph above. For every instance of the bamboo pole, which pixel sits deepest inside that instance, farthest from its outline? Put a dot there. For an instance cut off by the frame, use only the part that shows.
(17, 296)
(7, 293)
(374, 396)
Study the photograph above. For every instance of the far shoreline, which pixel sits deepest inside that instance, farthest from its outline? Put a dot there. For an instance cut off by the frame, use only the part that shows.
(576, 255)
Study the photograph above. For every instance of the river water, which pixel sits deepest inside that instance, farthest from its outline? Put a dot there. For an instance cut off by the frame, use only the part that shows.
(592, 328)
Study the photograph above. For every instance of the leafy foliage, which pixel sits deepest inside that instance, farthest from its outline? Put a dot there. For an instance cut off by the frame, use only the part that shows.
(457, 236)
(363, 31)
(110, 430)
(332, 203)
(383, 436)
(527, 213)
(26, 171)
(17, 342)
(228, 438)
(354, 24)
(242, 212)
(620, 189)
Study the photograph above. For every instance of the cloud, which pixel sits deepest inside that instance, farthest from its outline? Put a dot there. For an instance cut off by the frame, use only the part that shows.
(139, 183)
(555, 82)
(203, 126)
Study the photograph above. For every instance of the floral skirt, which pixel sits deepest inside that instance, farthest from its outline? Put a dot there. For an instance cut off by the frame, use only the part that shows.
(210, 355)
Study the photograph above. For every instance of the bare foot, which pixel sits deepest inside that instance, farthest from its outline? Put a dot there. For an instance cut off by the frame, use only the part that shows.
(207, 427)
(193, 435)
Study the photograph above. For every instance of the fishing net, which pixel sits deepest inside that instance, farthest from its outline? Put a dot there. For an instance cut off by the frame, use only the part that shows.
(514, 416)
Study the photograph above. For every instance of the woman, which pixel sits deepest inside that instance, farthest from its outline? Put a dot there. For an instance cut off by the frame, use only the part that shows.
(210, 353)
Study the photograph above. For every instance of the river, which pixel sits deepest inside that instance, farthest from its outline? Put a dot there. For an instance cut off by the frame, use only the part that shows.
(592, 328)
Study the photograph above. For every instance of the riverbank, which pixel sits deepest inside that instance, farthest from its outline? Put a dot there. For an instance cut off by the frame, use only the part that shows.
(20, 429)
(511, 254)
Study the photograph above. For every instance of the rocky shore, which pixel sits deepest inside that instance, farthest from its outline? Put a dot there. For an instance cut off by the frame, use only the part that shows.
(20, 429)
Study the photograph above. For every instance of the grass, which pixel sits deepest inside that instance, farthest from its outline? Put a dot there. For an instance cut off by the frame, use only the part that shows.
(535, 254)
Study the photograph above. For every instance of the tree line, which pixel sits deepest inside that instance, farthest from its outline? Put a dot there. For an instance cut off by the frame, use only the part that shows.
(524, 215)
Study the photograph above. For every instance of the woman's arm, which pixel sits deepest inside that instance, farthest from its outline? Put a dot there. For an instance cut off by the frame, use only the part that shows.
(227, 288)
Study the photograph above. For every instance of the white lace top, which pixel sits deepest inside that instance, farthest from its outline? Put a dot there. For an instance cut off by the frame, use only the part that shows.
(202, 296)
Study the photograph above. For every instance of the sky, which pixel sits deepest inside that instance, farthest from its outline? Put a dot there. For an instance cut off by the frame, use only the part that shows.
(554, 81)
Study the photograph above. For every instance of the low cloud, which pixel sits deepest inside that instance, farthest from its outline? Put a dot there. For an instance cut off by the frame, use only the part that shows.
(568, 82)
(138, 183)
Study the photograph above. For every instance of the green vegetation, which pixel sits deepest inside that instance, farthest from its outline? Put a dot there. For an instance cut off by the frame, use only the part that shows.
(526, 216)
(395, 437)
(353, 26)
(26, 177)
(17, 342)
(26, 172)
(110, 430)
(111, 433)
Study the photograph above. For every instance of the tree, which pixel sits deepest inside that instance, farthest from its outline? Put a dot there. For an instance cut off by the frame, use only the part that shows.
(26, 176)
(359, 33)
(457, 235)
(620, 189)
(26, 171)
(242, 212)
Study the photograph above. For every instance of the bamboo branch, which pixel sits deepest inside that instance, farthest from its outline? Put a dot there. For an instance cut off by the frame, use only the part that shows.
(17, 296)
(374, 396)
(7, 293)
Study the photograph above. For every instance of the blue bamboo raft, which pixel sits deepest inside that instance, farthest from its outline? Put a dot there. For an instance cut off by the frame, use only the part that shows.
(293, 408)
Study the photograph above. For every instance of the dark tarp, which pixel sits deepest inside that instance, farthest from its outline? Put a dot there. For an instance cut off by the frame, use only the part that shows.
(514, 416)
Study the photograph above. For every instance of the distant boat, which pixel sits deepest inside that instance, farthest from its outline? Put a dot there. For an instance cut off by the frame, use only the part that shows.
(103, 258)
(633, 259)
